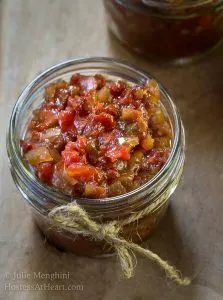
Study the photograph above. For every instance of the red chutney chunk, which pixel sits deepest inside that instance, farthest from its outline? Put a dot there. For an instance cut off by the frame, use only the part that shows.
(92, 138)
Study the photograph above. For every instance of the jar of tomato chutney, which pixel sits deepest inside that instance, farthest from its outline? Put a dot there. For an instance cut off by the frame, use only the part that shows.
(42, 198)
(177, 31)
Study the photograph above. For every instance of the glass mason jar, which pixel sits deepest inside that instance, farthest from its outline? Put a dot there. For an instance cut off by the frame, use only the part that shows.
(175, 30)
(43, 198)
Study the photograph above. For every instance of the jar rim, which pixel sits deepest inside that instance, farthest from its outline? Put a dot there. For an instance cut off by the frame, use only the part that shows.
(182, 9)
(14, 152)
(178, 4)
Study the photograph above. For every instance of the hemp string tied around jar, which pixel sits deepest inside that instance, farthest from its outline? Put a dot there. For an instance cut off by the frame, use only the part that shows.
(75, 219)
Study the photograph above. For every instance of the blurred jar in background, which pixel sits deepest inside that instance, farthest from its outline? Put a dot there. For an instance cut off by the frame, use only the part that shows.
(176, 30)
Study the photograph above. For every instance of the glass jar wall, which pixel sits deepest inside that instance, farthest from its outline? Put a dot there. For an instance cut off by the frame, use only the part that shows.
(178, 31)
(42, 198)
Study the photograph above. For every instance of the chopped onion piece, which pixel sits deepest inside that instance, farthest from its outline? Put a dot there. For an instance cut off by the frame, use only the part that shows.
(38, 155)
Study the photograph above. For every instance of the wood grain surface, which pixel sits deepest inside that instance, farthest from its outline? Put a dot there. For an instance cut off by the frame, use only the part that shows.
(34, 36)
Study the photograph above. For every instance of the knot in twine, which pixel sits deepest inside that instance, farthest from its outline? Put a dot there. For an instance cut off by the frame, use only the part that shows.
(75, 219)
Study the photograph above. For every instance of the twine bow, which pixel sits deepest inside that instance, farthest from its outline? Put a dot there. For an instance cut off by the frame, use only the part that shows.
(75, 219)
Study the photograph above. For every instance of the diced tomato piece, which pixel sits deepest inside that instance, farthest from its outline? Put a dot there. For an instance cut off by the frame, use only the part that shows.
(76, 103)
(70, 146)
(116, 88)
(75, 79)
(90, 100)
(82, 172)
(81, 143)
(111, 109)
(95, 133)
(36, 135)
(158, 157)
(98, 107)
(26, 147)
(108, 137)
(33, 125)
(84, 159)
(61, 96)
(39, 127)
(49, 118)
(50, 105)
(70, 157)
(45, 171)
(100, 81)
(112, 174)
(103, 149)
(126, 101)
(119, 152)
(88, 83)
(66, 120)
(71, 101)
(127, 98)
(81, 123)
(105, 119)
